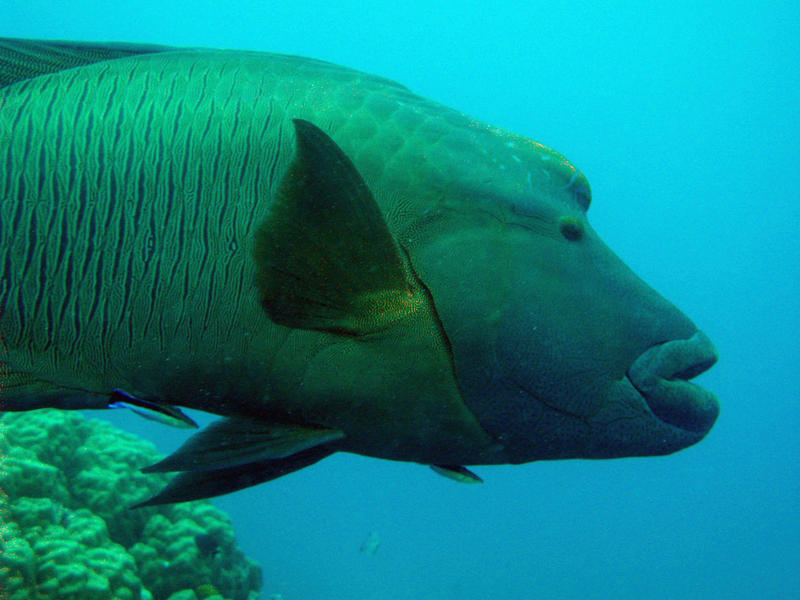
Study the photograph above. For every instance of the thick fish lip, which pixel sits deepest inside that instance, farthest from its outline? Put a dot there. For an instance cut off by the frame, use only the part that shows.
(661, 375)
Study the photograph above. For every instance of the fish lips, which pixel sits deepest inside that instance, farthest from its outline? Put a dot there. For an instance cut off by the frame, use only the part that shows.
(661, 375)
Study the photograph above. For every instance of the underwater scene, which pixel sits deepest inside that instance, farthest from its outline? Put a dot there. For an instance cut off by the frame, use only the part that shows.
(336, 300)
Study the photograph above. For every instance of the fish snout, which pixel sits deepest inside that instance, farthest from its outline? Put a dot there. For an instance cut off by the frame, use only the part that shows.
(662, 373)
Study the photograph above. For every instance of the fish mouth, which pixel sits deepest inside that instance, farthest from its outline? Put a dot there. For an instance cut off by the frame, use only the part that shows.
(661, 375)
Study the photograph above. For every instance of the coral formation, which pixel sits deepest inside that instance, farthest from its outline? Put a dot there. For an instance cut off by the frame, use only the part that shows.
(67, 532)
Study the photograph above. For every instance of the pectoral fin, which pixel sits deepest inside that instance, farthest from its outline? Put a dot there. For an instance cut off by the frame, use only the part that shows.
(457, 473)
(195, 485)
(232, 454)
(326, 258)
(237, 442)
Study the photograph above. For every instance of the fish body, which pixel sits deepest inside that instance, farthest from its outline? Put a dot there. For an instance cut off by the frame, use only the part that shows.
(325, 259)
(371, 544)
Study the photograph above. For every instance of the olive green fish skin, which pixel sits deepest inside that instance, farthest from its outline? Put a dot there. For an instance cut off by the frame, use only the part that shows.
(132, 190)
(143, 182)
(25, 59)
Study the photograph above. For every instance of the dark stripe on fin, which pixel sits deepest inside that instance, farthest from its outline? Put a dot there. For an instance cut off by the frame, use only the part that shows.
(326, 258)
(231, 443)
(195, 485)
(26, 59)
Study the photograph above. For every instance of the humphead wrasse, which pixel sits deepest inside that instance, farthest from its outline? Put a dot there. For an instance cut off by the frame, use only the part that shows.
(324, 259)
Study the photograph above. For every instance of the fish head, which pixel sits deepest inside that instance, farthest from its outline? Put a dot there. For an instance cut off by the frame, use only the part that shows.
(559, 349)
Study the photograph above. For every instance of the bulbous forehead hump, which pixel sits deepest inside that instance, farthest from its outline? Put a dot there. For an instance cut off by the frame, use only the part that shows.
(488, 161)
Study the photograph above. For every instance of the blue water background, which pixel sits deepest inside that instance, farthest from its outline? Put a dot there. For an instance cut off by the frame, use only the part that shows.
(685, 116)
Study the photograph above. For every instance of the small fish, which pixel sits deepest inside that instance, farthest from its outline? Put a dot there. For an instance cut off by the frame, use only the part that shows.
(166, 414)
(207, 544)
(206, 590)
(371, 544)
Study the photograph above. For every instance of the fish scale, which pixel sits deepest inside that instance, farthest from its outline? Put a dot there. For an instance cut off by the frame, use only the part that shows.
(113, 194)
(141, 217)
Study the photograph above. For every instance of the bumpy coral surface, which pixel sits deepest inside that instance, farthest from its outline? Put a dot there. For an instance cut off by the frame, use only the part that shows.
(66, 530)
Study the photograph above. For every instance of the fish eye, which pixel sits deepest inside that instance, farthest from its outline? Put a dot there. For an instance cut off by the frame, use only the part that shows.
(571, 228)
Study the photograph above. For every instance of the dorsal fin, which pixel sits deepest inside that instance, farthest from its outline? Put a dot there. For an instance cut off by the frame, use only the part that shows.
(25, 59)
